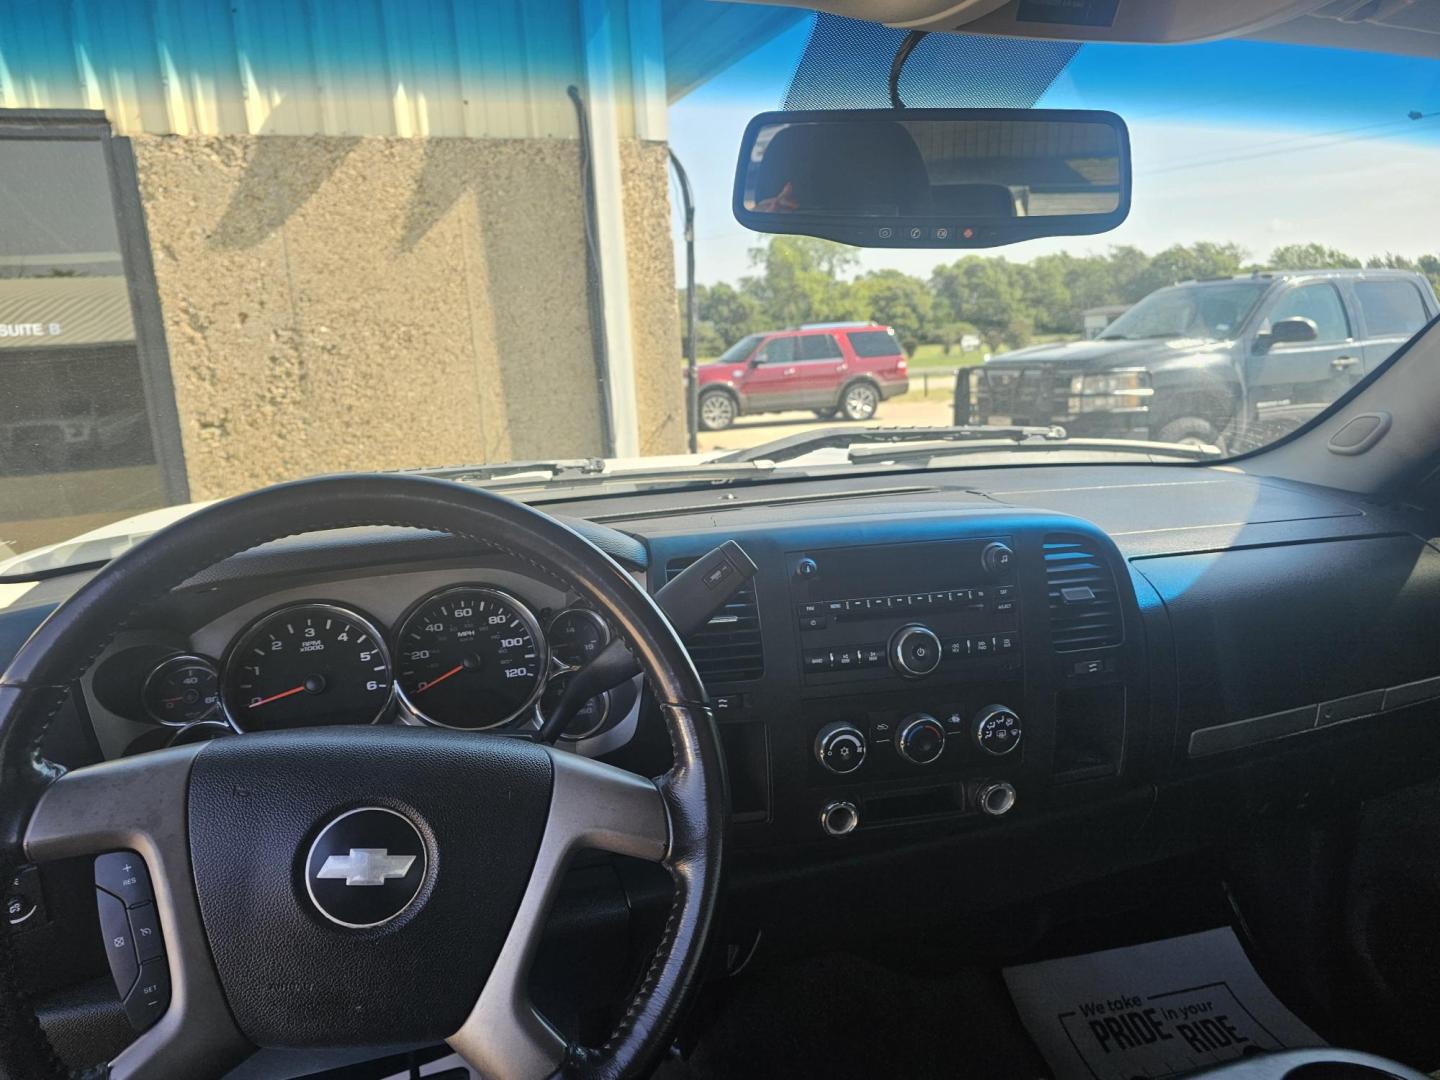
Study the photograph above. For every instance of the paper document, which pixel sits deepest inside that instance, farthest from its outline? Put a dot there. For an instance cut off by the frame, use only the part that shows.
(1155, 1010)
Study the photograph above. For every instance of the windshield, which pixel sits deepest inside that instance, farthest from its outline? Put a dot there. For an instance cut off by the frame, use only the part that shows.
(741, 350)
(238, 251)
(1199, 311)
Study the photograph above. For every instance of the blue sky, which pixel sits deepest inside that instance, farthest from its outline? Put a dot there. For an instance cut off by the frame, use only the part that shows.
(1251, 142)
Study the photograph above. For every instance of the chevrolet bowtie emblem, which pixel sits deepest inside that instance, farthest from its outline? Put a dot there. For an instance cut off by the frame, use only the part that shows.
(366, 866)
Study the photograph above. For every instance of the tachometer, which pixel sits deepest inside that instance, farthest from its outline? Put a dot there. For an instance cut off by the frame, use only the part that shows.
(469, 657)
(306, 665)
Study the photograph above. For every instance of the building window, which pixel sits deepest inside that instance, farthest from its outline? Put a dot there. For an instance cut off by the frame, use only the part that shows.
(88, 428)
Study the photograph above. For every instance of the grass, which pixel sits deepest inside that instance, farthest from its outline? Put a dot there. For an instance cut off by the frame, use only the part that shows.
(933, 356)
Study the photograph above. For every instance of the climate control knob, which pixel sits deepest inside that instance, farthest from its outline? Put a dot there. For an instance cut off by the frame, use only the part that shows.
(914, 651)
(996, 729)
(921, 739)
(840, 747)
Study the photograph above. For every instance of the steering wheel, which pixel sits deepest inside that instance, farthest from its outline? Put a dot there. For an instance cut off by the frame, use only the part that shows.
(228, 829)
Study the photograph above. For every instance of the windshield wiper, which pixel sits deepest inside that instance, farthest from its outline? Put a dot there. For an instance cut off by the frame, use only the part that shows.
(596, 472)
(548, 469)
(793, 446)
(867, 455)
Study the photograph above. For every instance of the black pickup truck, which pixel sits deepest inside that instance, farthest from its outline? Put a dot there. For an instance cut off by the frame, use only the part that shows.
(1232, 362)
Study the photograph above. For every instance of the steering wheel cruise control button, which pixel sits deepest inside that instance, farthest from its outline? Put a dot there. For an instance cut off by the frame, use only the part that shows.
(119, 943)
(145, 932)
(123, 875)
(150, 997)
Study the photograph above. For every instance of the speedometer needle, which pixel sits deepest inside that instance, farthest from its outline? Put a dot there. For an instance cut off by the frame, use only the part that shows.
(276, 697)
(439, 679)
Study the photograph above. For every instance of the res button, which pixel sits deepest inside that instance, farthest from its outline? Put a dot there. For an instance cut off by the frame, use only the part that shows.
(123, 875)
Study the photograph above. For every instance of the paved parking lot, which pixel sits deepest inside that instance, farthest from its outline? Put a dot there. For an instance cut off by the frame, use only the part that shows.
(912, 410)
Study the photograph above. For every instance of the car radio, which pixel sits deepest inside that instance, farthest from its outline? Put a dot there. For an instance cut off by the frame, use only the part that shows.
(947, 611)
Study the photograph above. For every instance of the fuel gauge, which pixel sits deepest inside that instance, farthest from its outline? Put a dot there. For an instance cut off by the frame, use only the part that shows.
(182, 690)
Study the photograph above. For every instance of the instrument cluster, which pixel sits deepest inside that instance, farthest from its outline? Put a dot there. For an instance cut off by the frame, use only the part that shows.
(469, 657)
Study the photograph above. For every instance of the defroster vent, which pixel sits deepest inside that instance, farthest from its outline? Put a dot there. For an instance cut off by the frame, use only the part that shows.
(728, 649)
(1084, 605)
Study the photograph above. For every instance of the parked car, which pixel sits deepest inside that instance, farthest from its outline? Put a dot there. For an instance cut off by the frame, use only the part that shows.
(833, 369)
(1232, 362)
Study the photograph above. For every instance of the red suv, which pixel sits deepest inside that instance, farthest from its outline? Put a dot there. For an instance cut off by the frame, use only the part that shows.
(830, 368)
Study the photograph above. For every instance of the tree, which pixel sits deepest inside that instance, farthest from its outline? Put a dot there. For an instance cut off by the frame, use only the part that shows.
(1127, 266)
(708, 342)
(1429, 265)
(897, 300)
(1019, 331)
(1045, 294)
(801, 281)
(984, 291)
(729, 314)
(1181, 263)
(1310, 257)
(805, 253)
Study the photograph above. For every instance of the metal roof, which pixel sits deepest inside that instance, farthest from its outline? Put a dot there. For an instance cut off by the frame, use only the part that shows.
(368, 67)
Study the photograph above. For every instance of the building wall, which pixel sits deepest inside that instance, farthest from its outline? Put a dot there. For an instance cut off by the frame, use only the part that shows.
(654, 307)
(342, 302)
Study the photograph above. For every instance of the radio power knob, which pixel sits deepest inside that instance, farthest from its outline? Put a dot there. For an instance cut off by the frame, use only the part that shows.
(914, 651)
(840, 747)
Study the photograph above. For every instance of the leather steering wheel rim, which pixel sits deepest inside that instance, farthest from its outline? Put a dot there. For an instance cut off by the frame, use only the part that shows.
(35, 685)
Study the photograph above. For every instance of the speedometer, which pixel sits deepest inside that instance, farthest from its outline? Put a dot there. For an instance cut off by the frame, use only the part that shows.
(306, 665)
(469, 657)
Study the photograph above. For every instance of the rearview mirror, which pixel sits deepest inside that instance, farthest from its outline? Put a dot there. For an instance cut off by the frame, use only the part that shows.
(934, 178)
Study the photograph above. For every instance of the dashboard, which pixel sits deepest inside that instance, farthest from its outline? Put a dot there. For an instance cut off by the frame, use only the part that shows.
(476, 648)
(978, 689)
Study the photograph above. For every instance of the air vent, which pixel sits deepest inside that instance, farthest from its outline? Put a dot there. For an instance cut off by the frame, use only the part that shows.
(728, 649)
(1084, 607)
